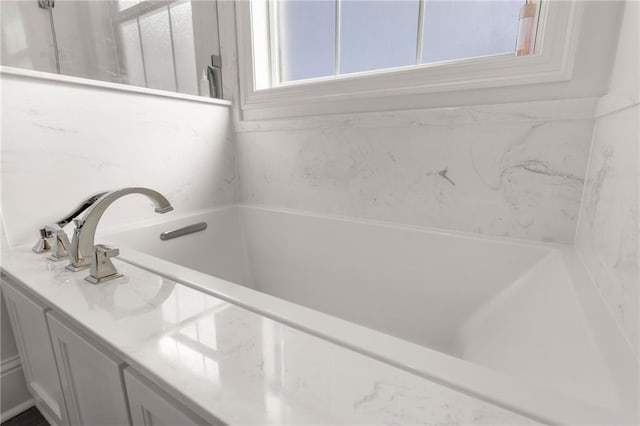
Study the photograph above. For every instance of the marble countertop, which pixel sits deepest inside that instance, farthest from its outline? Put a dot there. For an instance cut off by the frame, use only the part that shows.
(232, 365)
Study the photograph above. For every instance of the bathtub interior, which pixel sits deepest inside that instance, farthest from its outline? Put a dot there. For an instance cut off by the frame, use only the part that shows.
(508, 306)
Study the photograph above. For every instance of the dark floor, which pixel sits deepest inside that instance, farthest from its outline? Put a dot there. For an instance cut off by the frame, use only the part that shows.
(31, 417)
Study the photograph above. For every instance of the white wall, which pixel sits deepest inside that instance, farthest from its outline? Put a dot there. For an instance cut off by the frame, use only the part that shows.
(62, 142)
(608, 230)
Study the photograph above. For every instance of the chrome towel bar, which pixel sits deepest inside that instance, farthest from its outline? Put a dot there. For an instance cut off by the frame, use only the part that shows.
(190, 229)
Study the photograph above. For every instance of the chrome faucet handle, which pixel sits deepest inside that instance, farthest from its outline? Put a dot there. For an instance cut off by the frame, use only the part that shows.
(43, 243)
(82, 206)
(102, 268)
(59, 242)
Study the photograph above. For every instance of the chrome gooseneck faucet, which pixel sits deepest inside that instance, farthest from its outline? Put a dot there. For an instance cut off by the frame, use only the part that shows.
(82, 252)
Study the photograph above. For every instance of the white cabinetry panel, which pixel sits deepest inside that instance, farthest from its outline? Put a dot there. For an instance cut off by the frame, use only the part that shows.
(150, 408)
(28, 321)
(91, 379)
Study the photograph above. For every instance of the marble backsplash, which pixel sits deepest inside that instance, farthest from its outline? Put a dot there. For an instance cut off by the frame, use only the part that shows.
(62, 142)
(513, 170)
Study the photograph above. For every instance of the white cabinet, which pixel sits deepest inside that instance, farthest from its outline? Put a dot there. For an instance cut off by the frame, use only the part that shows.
(150, 406)
(75, 380)
(29, 324)
(91, 379)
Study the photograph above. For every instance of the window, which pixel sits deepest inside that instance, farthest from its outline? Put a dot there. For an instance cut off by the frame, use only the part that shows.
(320, 38)
(301, 57)
(159, 44)
(158, 48)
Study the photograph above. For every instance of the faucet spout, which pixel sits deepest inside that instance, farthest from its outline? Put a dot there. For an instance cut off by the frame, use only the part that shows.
(82, 246)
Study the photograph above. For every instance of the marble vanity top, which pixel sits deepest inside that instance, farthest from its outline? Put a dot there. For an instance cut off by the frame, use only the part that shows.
(231, 365)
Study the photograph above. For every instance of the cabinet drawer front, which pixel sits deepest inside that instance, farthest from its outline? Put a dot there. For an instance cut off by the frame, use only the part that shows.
(91, 379)
(149, 407)
(29, 325)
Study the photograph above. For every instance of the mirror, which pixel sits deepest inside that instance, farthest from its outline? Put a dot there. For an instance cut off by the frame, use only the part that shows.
(165, 45)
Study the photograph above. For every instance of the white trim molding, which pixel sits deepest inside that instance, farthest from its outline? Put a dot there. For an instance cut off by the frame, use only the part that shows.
(12, 379)
(14, 411)
(9, 364)
(553, 61)
(513, 112)
(105, 85)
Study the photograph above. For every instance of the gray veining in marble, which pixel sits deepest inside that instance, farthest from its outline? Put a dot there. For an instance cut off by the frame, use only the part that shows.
(609, 228)
(62, 142)
(522, 178)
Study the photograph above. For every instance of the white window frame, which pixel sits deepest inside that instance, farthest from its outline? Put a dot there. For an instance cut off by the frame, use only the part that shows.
(552, 61)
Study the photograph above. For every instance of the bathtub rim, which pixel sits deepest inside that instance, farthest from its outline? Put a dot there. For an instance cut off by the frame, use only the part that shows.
(175, 216)
(475, 380)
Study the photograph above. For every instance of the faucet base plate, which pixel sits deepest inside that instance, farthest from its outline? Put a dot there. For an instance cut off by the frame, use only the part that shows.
(77, 268)
(94, 280)
(54, 258)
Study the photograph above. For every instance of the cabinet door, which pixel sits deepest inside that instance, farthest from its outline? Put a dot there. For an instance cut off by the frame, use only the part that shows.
(150, 406)
(29, 324)
(91, 379)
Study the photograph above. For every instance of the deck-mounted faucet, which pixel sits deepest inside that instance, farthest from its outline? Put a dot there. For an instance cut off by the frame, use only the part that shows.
(82, 251)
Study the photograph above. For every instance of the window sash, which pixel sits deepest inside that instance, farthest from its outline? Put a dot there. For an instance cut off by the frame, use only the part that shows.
(275, 57)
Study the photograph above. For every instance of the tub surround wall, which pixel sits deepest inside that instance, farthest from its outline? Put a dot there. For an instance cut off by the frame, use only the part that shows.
(503, 170)
(61, 142)
(608, 230)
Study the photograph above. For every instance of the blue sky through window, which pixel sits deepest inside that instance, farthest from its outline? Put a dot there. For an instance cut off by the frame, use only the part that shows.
(379, 34)
(464, 29)
(307, 38)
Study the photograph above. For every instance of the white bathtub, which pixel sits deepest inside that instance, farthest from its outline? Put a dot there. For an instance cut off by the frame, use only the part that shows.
(518, 324)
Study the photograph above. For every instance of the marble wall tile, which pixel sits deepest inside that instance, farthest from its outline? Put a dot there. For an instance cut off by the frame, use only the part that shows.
(608, 230)
(62, 142)
(496, 173)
